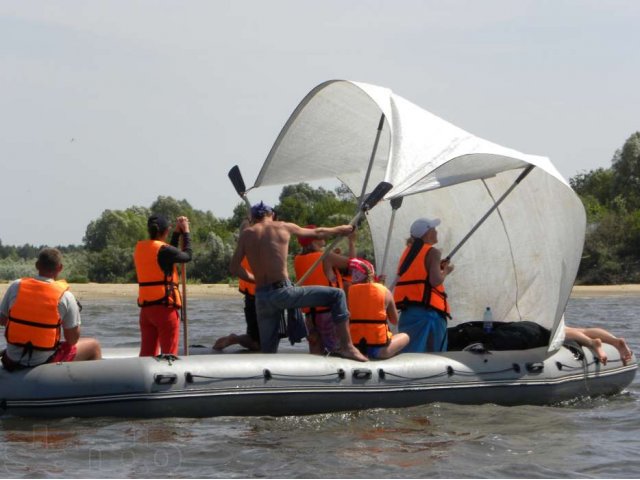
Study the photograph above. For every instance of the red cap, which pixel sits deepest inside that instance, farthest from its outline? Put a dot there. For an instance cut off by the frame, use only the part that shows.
(306, 241)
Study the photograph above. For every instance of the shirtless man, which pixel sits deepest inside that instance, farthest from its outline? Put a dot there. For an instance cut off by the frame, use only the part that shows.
(266, 246)
(594, 337)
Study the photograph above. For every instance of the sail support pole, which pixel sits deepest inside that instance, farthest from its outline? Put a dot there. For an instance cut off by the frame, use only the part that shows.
(396, 203)
(524, 173)
(371, 160)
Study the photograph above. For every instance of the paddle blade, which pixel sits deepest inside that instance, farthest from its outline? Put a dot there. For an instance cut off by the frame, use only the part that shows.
(375, 196)
(396, 203)
(236, 179)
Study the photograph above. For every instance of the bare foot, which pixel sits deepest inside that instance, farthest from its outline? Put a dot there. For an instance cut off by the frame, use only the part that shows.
(224, 342)
(600, 353)
(625, 351)
(353, 353)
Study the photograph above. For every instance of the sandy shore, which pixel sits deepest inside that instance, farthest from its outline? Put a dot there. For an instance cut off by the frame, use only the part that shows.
(99, 290)
(89, 291)
(600, 290)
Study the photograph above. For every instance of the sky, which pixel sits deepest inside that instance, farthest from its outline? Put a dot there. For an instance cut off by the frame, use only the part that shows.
(110, 104)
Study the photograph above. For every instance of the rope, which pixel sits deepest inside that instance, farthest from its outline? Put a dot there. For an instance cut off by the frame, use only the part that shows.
(254, 377)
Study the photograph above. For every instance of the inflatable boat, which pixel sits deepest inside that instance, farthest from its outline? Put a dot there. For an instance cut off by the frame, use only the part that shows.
(206, 384)
(512, 221)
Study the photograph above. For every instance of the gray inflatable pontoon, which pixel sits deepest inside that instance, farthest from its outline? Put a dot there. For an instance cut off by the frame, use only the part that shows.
(207, 384)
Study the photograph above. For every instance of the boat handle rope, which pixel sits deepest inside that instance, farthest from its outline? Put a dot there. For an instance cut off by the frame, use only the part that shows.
(450, 372)
(267, 375)
(190, 377)
(595, 361)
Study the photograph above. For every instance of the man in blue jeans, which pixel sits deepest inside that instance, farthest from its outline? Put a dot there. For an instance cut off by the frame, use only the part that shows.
(266, 245)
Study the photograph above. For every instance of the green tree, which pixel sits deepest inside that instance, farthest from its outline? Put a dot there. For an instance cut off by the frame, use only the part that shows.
(626, 172)
(116, 228)
(304, 205)
(597, 184)
(202, 223)
(240, 213)
(111, 265)
(611, 198)
(211, 263)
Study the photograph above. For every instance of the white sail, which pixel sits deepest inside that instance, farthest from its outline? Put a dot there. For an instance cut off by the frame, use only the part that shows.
(522, 261)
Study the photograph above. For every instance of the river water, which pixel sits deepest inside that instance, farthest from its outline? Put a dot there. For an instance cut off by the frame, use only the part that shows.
(586, 438)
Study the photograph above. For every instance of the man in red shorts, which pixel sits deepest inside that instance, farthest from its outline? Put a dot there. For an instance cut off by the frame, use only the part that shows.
(34, 309)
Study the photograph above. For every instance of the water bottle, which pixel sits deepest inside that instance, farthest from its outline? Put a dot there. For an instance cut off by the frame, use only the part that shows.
(487, 320)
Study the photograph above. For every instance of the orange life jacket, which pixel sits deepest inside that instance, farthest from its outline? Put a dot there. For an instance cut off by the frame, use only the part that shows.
(368, 315)
(154, 287)
(302, 263)
(34, 321)
(244, 286)
(413, 287)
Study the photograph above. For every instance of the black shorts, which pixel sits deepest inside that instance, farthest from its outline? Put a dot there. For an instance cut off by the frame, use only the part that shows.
(251, 317)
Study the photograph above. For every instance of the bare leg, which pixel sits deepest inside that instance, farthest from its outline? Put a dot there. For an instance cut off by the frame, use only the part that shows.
(594, 344)
(398, 342)
(88, 349)
(606, 337)
(346, 349)
(315, 344)
(625, 351)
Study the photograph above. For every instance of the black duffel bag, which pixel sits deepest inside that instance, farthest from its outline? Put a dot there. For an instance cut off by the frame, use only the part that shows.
(504, 336)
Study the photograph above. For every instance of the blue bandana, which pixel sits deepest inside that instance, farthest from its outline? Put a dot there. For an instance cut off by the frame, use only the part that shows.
(259, 210)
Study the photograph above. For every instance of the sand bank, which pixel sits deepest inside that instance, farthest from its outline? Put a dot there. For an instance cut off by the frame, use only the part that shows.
(129, 291)
(87, 291)
(600, 290)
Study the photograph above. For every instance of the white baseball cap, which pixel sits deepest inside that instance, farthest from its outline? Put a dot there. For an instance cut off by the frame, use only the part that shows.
(422, 225)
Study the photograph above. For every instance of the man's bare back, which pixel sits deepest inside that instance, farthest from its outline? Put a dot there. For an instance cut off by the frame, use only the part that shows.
(266, 246)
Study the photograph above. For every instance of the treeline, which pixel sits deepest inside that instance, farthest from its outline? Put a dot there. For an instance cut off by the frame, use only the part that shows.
(611, 197)
(106, 255)
(611, 255)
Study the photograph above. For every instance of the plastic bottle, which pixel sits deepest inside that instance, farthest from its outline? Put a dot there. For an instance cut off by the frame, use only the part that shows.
(487, 320)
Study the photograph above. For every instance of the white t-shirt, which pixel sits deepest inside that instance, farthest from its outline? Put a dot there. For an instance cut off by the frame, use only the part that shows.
(69, 313)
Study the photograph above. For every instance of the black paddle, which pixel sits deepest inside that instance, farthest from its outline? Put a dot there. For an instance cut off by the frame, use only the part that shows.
(238, 183)
(371, 201)
(524, 173)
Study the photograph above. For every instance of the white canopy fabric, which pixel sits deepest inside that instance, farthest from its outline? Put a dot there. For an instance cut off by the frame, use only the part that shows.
(522, 261)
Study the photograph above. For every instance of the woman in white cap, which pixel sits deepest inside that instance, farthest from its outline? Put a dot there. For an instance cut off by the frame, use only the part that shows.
(419, 291)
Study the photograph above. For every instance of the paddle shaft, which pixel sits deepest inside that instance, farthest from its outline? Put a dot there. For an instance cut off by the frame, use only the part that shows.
(328, 249)
(374, 197)
(185, 327)
(524, 173)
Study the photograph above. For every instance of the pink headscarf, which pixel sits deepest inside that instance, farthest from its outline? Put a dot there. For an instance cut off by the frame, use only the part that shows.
(361, 270)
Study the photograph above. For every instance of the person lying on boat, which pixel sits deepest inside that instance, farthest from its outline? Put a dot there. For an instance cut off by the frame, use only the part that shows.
(594, 337)
(371, 305)
(266, 244)
(251, 339)
(322, 333)
(419, 291)
(158, 293)
(34, 309)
